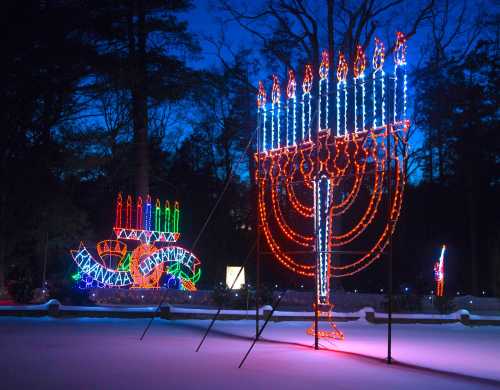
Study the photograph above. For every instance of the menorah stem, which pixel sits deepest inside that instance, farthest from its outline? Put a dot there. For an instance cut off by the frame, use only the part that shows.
(322, 219)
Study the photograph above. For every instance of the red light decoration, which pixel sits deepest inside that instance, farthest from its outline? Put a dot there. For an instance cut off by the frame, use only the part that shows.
(321, 175)
(261, 96)
(324, 66)
(139, 214)
(119, 206)
(359, 62)
(400, 49)
(378, 55)
(111, 252)
(150, 280)
(291, 86)
(308, 79)
(342, 68)
(128, 214)
(275, 92)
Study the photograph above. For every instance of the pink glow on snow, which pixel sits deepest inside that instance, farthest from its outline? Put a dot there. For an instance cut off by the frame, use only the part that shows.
(74, 353)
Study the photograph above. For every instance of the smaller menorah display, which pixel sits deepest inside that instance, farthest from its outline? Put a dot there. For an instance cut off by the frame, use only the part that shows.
(149, 226)
(155, 229)
(320, 188)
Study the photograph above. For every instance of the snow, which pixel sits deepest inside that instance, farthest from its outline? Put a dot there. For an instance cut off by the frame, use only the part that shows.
(426, 316)
(82, 353)
(189, 310)
(43, 306)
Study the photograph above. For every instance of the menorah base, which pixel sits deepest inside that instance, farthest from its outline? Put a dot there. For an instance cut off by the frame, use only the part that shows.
(325, 312)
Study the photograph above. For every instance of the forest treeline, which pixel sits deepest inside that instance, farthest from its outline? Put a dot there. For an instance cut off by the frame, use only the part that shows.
(100, 97)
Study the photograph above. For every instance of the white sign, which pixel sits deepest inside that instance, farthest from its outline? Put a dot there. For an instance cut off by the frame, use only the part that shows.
(231, 273)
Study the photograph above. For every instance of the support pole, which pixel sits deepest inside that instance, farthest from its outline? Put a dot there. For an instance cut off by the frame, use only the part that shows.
(44, 276)
(258, 232)
(389, 196)
(257, 284)
(262, 329)
(221, 306)
(316, 279)
(316, 327)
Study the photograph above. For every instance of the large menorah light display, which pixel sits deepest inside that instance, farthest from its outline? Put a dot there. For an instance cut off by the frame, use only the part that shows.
(300, 157)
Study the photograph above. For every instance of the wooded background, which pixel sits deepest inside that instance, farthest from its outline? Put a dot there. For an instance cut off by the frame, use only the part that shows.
(101, 96)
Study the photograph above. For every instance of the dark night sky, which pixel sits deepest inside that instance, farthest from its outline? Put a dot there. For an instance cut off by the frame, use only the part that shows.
(205, 21)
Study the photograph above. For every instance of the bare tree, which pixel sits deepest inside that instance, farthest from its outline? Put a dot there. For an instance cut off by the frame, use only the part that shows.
(292, 29)
(292, 32)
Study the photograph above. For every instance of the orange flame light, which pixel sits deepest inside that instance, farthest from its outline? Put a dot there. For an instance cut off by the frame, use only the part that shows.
(342, 68)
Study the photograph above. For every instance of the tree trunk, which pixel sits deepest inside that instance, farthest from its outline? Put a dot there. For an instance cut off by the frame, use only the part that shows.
(331, 51)
(472, 238)
(331, 32)
(3, 206)
(3, 217)
(139, 99)
(494, 257)
(472, 197)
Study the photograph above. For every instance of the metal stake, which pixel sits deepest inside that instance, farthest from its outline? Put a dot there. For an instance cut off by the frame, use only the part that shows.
(262, 329)
(219, 309)
(389, 196)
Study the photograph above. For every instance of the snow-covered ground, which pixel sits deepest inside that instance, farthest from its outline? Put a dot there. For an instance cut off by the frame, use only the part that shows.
(104, 353)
